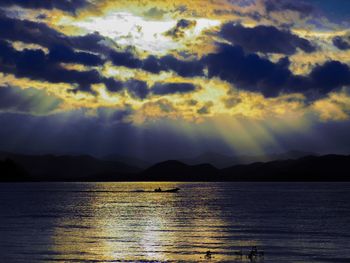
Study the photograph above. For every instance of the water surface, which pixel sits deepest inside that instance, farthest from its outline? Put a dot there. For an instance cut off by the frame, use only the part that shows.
(108, 222)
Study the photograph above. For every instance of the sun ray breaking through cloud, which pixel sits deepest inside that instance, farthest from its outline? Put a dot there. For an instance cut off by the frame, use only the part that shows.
(245, 74)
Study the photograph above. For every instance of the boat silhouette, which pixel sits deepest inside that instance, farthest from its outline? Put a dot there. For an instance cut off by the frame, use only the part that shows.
(173, 190)
(157, 190)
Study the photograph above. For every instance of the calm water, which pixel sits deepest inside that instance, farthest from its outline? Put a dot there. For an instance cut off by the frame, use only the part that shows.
(107, 222)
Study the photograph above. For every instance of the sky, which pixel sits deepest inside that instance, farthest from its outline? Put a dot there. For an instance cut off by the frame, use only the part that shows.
(167, 79)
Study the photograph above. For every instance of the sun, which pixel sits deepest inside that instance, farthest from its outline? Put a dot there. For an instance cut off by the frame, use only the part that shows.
(126, 29)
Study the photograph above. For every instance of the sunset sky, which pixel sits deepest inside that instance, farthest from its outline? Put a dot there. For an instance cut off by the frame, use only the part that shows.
(164, 79)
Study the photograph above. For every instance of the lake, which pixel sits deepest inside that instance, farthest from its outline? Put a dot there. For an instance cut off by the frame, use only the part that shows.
(109, 222)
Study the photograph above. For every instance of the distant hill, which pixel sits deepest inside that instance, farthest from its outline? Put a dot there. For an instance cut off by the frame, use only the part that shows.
(309, 168)
(223, 161)
(16, 167)
(66, 167)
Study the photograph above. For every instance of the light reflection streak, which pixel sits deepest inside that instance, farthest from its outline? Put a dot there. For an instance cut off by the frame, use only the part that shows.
(122, 225)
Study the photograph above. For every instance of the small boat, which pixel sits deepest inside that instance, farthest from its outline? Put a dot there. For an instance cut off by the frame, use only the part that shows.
(159, 190)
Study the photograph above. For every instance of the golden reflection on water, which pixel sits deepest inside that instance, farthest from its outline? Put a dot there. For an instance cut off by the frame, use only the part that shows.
(68, 222)
(114, 223)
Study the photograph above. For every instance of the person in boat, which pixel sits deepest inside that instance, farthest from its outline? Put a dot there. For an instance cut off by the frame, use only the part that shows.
(158, 189)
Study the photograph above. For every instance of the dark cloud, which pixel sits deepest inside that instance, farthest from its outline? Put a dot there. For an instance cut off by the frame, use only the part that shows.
(329, 76)
(126, 59)
(301, 7)
(247, 71)
(172, 88)
(113, 85)
(153, 64)
(266, 39)
(342, 43)
(255, 15)
(28, 100)
(93, 42)
(181, 67)
(65, 5)
(36, 65)
(180, 28)
(254, 73)
(29, 32)
(61, 53)
(322, 79)
(137, 89)
(39, 33)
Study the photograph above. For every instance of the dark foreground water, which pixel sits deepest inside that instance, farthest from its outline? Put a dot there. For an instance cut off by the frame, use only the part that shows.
(107, 222)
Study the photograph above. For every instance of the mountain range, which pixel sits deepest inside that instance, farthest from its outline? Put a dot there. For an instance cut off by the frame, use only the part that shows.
(67, 167)
(17, 167)
(223, 161)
